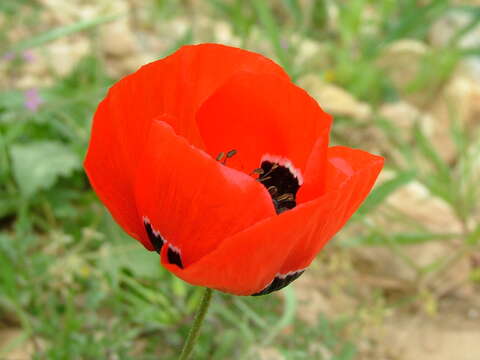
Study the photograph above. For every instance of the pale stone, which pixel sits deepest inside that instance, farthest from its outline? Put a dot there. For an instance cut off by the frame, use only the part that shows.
(67, 12)
(64, 54)
(117, 38)
(334, 99)
(56, 58)
(459, 101)
(309, 54)
(318, 298)
(124, 66)
(443, 30)
(62, 11)
(25, 350)
(462, 96)
(434, 213)
(269, 353)
(404, 116)
(402, 59)
(312, 303)
(224, 34)
(439, 339)
(28, 81)
(257, 41)
(306, 49)
(209, 30)
(176, 27)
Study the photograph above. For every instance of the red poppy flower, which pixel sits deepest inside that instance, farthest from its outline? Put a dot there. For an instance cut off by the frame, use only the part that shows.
(213, 158)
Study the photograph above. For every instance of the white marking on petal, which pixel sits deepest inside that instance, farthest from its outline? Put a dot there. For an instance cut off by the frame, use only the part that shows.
(283, 161)
(176, 249)
(283, 276)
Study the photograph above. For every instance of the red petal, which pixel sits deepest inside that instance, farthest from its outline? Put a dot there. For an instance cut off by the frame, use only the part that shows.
(258, 115)
(316, 170)
(176, 85)
(193, 201)
(246, 262)
(351, 174)
(103, 164)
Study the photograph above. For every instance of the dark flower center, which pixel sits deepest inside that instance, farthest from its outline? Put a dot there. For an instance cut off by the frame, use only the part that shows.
(281, 183)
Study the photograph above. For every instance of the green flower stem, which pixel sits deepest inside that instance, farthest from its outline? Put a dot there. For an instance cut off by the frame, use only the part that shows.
(197, 324)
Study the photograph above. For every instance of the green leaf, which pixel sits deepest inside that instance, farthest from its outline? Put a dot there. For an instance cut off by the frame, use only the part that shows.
(38, 165)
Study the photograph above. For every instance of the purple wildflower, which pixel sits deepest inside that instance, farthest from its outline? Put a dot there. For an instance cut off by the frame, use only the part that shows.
(8, 56)
(28, 56)
(32, 99)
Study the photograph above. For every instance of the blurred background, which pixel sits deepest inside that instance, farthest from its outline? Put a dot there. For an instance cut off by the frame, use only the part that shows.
(400, 282)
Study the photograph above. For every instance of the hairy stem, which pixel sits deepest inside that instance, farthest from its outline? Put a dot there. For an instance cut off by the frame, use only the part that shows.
(197, 324)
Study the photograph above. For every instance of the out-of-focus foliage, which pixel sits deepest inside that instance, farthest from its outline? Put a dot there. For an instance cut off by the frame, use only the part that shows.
(401, 78)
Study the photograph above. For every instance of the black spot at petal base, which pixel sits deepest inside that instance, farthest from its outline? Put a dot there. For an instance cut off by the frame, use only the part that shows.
(174, 257)
(155, 238)
(279, 282)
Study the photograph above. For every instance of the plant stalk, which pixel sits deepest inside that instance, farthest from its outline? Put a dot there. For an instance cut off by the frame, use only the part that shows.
(197, 324)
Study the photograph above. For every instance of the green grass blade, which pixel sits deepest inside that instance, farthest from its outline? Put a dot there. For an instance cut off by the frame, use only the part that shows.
(381, 192)
(428, 150)
(288, 316)
(474, 237)
(60, 32)
(269, 23)
(401, 238)
(294, 7)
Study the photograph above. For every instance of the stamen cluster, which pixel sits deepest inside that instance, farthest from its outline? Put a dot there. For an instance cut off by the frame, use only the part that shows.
(281, 184)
